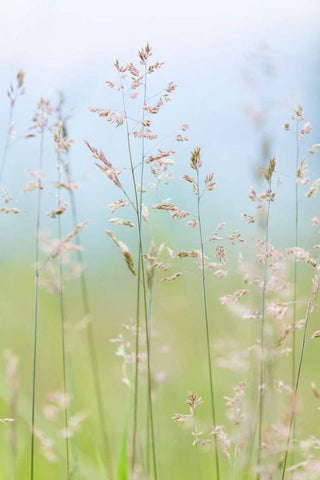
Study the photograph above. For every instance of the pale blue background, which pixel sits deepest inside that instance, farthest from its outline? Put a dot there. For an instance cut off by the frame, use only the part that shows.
(207, 47)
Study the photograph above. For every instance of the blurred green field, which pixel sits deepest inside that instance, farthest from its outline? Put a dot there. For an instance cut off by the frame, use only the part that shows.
(178, 355)
(221, 211)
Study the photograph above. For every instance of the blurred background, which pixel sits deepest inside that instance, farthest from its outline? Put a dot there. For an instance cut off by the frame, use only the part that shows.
(241, 69)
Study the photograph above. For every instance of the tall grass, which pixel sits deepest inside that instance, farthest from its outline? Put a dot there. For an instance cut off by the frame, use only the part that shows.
(310, 307)
(245, 273)
(14, 92)
(41, 123)
(268, 174)
(62, 146)
(94, 364)
(136, 203)
(196, 164)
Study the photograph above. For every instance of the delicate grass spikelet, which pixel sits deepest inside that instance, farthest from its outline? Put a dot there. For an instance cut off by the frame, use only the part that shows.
(249, 218)
(313, 189)
(118, 204)
(233, 298)
(128, 257)
(106, 166)
(187, 253)
(120, 221)
(172, 277)
(195, 160)
(9, 210)
(124, 250)
(59, 210)
(6, 420)
(65, 243)
(175, 212)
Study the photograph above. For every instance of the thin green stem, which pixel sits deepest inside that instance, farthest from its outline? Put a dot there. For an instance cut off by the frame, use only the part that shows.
(315, 291)
(36, 313)
(262, 340)
(63, 339)
(64, 366)
(141, 278)
(196, 433)
(6, 146)
(148, 409)
(251, 441)
(205, 306)
(154, 459)
(137, 342)
(148, 316)
(295, 276)
(234, 462)
(90, 335)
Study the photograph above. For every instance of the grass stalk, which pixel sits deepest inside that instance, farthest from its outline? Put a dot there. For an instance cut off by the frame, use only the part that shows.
(148, 410)
(6, 146)
(148, 314)
(196, 433)
(206, 320)
(234, 462)
(64, 363)
(315, 291)
(295, 276)
(150, 406)
(137, 342)
(140, 280)
(62, 323)
(262, 375)
(269, 196)
(94, 364)
(36, 312)
(13, 94)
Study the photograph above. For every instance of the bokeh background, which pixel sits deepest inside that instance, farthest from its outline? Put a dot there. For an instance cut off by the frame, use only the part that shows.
(241, 68)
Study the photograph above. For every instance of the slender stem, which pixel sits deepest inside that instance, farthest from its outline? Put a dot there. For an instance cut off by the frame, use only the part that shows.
(196, 434)
(64, 368)
(262, 339)
(154, 459)
(295, 276)
(252, 428)
(6, 146)
(141, 277)
(234, 462)
(143, 144)
(137, 346)
(63, 339)
(90, 336)
(295, 263)
(148, 314)
(315, 291)
(205, 306)
(36, 312)
(148, 409)
(13, 401)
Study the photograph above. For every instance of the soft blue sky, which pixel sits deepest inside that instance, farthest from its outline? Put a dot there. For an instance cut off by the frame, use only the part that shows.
(207, 47)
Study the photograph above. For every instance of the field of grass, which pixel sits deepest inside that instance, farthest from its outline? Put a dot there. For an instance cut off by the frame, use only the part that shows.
(183, 349)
